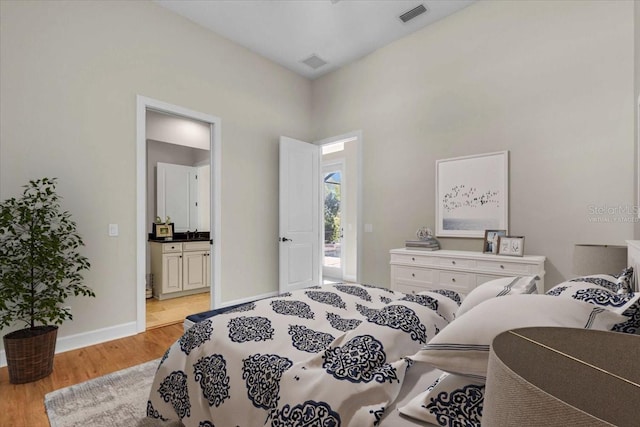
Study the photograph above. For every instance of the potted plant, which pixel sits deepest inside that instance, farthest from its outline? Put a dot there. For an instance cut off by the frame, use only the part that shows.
(40, 267)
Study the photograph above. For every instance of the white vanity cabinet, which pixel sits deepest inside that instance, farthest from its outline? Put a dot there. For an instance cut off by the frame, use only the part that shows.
(180, 268)
(414, 271)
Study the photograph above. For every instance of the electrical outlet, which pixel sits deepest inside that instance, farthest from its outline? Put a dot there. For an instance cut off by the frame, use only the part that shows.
(113, 230)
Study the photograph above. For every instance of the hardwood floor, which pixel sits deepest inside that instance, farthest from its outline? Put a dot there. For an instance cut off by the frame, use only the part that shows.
(22, 405)
(174, 310)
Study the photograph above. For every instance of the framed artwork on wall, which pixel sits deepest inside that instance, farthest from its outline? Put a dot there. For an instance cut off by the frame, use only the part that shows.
(472, 195)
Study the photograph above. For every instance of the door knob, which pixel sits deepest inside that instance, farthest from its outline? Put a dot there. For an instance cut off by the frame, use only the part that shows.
(284, 239)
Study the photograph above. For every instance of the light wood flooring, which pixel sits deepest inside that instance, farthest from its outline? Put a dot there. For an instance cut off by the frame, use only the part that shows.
(174, 310)
(22, 405)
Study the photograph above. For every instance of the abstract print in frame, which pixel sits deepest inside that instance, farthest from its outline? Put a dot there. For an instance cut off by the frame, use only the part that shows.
(472, 195)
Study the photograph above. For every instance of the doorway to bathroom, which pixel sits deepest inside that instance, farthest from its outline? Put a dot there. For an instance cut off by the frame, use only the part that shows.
(178, 212)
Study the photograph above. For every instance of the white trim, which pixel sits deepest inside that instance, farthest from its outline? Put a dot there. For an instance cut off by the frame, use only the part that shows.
(142, 104)
(84, 339)
(351, 136)
(637, 162)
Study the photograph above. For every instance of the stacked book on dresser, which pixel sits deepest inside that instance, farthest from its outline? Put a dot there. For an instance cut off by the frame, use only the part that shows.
(429, 244)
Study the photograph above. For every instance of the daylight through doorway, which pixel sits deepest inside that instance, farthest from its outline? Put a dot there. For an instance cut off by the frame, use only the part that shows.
(333, 226)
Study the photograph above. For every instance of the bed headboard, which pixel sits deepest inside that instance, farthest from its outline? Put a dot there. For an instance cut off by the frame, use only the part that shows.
(633, 260)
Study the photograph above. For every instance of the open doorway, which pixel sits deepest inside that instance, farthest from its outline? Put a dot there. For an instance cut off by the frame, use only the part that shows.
(178, 193)
(334, 209)
(189, 274)
(341, 187)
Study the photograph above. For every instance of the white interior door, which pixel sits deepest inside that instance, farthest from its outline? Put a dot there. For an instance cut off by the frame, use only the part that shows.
(299, 215)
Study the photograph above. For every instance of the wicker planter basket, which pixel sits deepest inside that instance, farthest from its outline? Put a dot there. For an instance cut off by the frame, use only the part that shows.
(30, 353)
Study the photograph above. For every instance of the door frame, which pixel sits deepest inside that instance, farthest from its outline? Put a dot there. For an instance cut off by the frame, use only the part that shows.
(347, 137)
(142, 104)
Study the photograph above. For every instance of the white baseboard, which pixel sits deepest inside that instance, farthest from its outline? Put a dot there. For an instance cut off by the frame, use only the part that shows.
(84, 339)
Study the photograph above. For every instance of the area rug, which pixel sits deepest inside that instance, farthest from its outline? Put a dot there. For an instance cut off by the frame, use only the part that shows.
(116, 399)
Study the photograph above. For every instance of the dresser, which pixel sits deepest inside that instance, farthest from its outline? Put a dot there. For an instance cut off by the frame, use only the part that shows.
(414, 271)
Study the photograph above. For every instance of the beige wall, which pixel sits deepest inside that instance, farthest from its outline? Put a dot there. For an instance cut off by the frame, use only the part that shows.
(69, 79)
(550, 81)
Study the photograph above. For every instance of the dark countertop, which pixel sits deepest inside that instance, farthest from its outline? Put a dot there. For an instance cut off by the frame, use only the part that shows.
(200, 239)
(182, 237)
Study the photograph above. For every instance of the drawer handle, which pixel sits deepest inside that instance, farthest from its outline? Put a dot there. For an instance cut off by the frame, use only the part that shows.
(413, 274)
(453, 279)
(453, 262)
(502, 266)
(173, 247)
(413, 259)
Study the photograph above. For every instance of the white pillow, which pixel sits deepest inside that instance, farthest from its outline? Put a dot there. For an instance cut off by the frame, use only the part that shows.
(498, 288)
(452, 400)
(462, 347)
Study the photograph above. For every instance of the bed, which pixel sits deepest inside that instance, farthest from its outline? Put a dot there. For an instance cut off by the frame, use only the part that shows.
(359, 355)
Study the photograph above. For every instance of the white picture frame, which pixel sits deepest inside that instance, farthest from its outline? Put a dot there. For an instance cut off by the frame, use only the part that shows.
(511, 245)
(472, 195)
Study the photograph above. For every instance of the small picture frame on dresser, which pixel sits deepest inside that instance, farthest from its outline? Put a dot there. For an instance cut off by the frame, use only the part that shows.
(491, 238)
(511, 245)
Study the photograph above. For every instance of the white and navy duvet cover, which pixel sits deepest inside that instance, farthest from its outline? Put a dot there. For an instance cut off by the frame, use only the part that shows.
(334, 356)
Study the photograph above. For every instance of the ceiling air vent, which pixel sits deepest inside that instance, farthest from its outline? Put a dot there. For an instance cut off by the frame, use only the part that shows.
(410, 14)
(314, 61)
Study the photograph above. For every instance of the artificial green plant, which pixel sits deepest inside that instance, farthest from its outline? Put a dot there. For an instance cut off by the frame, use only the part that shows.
(40, 262)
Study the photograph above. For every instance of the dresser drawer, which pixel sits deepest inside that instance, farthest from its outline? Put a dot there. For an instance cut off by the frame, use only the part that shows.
(168, 248)
(456, 263)
(414, 274)
(504, 267)
(413, 259)
(460, 282)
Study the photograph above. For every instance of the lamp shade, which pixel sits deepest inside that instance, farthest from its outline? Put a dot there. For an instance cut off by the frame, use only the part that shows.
(562, 377)
(599, 259)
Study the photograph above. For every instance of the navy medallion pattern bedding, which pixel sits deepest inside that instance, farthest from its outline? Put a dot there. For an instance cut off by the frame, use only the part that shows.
(334, 355)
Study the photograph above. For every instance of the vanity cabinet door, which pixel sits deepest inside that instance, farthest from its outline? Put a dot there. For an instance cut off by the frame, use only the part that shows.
(195, 270)
(171, 272)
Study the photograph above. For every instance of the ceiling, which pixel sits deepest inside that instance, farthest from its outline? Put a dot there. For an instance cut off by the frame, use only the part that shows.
(291, 31)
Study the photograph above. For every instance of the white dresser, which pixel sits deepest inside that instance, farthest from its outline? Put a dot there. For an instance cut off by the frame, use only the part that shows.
(414, 271)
